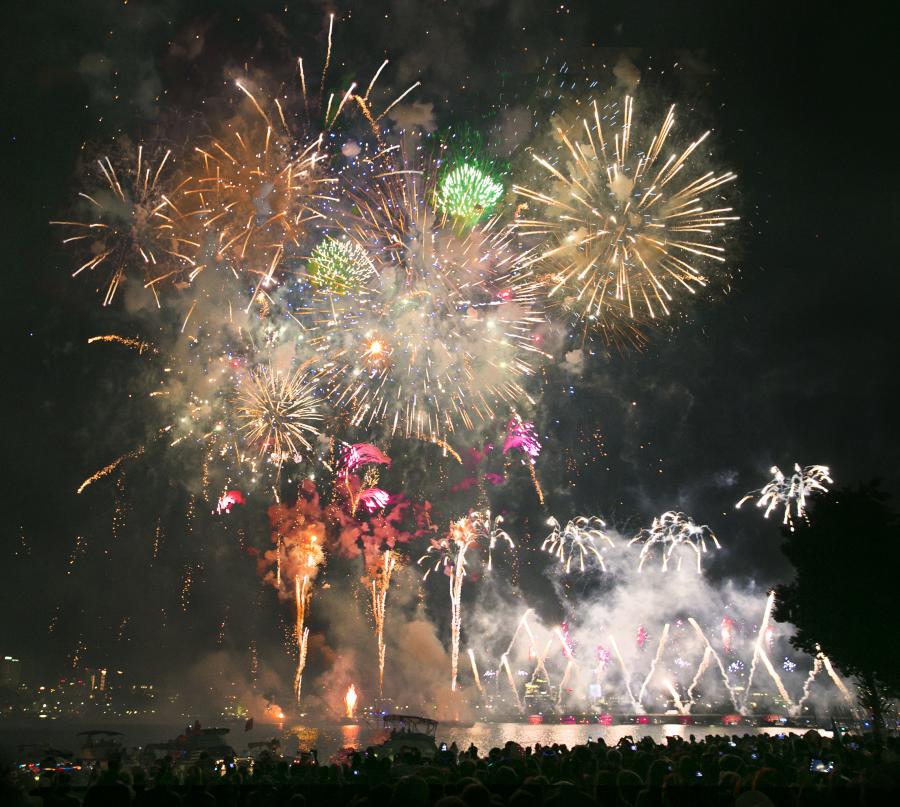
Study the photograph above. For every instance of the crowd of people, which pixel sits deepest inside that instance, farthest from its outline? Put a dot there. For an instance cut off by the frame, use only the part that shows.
(748, 771)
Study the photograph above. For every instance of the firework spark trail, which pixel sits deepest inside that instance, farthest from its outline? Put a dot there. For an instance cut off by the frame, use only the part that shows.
(790, 492)
(108, 469)
(617, 240)
(670, 531)
(540, 666)
(298, 533)
(137, 344)
(626, 675)
(445, 447)
(475, 671)
(449, 554)
(381, 583)
(760, 653)
(522, 435)
(578, 539)
(302, 595)
(842, 687)
(659, 651)
(537, 485)
(504, 663)
(456, 581)
(679, 705)
(571, 664)
(709, 648)
(504, 658)
(701, 668)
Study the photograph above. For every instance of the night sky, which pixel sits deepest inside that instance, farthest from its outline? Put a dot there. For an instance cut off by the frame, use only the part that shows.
(795, 363)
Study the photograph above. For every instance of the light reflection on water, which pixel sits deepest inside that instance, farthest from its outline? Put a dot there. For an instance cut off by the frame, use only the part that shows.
(329, 739)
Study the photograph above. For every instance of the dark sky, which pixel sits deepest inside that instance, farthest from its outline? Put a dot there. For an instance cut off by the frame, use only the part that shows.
(795, 363)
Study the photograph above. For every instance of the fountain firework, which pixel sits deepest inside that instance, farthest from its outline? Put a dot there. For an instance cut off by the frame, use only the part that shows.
(298, 532)
(449, 554)
(381, 583)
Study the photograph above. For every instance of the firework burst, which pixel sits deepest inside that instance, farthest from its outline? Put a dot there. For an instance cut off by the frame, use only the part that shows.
(623, 228)
(670, 532)
(467, 193)
(790, 492)
(578, 541)
(436, 339)
(277, 413)
(254, 198)
(339, 265)
(128, 227)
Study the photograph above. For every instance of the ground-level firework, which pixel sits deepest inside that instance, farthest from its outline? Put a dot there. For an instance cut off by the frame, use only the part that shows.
(674, 672)
(449, 554)
(298, 533)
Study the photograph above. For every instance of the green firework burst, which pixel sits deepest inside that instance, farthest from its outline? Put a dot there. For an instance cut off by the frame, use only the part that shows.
(339, 265)
(467, 192)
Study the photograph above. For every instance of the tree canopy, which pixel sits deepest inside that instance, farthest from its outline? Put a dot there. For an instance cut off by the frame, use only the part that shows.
(844, 597)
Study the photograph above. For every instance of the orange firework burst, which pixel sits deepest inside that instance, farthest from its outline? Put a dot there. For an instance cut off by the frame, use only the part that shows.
(127, 226)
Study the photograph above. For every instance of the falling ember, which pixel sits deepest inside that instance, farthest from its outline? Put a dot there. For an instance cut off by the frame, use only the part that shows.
(350, 701)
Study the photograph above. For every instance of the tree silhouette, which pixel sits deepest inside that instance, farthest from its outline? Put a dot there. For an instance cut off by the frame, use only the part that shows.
(844, 598)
